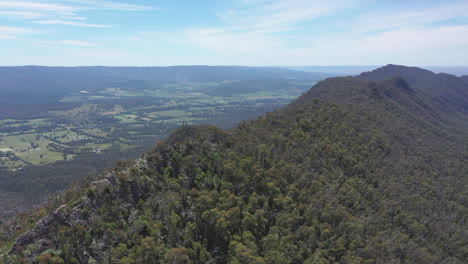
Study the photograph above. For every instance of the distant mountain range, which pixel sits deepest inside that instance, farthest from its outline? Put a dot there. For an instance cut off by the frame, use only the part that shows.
(30, 89)
(354, 70)
(448, 91)
(365, 169)
(52, 82)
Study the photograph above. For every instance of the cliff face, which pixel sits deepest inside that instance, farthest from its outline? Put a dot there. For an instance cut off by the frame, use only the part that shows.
(78, 216)
(357, 170)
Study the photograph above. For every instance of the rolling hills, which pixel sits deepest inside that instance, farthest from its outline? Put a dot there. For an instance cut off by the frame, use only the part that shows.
(28, 86)
(56, 119)
(366, 169)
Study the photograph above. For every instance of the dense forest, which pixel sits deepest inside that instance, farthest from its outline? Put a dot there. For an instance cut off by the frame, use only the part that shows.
(58, 124)
(366, 169)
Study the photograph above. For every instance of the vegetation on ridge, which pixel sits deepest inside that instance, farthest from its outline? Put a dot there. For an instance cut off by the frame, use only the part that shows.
(63, 118)
(354, 171)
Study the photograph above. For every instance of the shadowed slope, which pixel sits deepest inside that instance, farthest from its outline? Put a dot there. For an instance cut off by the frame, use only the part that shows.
(449, 91)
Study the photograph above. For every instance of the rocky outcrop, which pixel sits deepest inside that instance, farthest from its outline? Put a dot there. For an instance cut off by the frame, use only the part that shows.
(101, 184)
(40, 236)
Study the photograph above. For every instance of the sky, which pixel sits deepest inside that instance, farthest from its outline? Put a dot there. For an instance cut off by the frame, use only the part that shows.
(233, 32)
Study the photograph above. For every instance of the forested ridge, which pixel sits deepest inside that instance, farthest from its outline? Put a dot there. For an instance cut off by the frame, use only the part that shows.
(367, 169)
(54, 120)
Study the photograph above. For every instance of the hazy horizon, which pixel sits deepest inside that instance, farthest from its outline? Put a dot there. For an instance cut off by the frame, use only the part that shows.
(330, 69)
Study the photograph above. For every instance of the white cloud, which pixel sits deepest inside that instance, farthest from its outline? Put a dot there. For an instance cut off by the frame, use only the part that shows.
(71, 5)
(64, 12)
(275, 31)
(264, 32)
(77, 43)
(75, 18)
(282, 13)
(402, 46)
(71, 23)
(397, 19)
(11, 32)
(36, 6)
(109, 5)
(21, 15)
(254, 29)
(411, 41)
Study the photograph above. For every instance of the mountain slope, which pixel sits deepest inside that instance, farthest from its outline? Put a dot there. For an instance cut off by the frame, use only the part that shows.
(449, 91)
(353, 171)
(465, 78)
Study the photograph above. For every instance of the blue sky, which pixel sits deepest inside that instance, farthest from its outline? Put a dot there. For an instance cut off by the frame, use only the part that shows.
(233, 32)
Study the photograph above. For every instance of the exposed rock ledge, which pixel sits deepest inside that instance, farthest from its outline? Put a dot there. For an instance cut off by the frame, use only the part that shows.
(64, 216)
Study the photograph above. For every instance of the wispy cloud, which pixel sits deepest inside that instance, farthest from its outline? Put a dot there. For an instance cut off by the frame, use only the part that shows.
(37, 6)
(252, 32)
(255, 25)
(11, 32)
(413, 40)
(110, 5)
(71, 23)
(64, 12)
(24, 15)
(281, 13)
(406, 46)
(76, 43)
(277, 29)
(65, 45)
(397, 19)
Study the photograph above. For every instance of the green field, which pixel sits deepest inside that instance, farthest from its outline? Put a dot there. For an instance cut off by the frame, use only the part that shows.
(6, 149)
(121, 93)
(169, 113)
(117, 125)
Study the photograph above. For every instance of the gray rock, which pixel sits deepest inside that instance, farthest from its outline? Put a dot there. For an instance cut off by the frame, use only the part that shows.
(43, 245)
(43, 225)
(23, 240)
(101, 184)
(111, 178)
(61, 214)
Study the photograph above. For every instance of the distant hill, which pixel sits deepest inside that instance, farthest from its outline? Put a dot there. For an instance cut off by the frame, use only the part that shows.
(357, 69)
(253, 86)
(52, 82)
(336, 70)
(366, 169)
(449, 91)
(454, 70)
(464, 78)
(37, 89)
